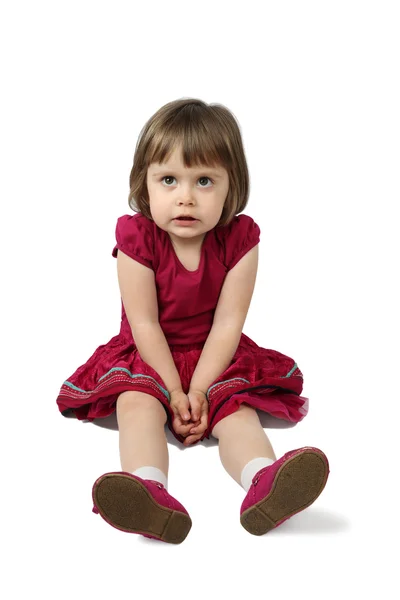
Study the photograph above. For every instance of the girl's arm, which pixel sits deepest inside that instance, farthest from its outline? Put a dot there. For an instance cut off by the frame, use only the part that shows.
(154, 350)
(229, 318)
(139, 297)
(216, 356)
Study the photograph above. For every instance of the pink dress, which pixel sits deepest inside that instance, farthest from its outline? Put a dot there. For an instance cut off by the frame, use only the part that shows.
(264, 379)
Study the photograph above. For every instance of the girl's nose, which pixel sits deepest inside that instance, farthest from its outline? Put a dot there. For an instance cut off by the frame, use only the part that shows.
(186, 192)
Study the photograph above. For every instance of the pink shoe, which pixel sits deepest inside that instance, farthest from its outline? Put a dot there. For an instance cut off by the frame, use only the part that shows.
(142, 506)
(283, 489)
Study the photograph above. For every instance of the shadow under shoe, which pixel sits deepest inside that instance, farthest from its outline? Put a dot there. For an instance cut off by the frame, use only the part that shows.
(135, 505)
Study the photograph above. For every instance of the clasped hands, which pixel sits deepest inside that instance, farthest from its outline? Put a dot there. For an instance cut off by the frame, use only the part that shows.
(190, 414)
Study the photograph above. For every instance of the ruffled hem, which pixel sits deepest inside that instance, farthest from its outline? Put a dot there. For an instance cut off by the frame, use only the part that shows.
(264, 379)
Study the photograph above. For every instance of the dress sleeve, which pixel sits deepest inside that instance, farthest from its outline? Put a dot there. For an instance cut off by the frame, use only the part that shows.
(134, 237)
(241, 235)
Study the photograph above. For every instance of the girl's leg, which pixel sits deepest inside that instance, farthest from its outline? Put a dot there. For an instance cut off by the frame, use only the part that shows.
(134, 506)
(241, 439)
(142, 440)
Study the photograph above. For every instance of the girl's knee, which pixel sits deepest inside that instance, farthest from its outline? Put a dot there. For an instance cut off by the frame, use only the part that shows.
(135, 401)
(243, 413)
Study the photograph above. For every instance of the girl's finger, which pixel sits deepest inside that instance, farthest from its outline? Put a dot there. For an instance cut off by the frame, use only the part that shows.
(182, 428)
(200, 426)
(191, 439)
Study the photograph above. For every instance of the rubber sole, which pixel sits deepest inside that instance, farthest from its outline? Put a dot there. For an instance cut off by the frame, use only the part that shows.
(126, 504)
(297, 484)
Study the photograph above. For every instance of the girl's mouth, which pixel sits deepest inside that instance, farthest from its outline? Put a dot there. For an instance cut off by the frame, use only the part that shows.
(185, 221)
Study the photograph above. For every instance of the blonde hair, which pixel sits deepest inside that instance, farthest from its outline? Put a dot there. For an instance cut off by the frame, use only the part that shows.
(208, 134)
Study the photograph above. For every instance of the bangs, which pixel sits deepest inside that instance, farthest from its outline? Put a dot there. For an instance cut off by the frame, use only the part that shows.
(200, 137)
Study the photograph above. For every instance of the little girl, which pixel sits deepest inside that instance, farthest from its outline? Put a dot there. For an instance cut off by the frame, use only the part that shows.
(187, 265)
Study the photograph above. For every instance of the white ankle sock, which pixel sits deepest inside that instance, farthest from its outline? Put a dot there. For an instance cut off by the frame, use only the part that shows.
(251, 469)
(152, 473)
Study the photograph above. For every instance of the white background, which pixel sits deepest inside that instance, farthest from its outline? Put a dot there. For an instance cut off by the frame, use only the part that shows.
(315, 87)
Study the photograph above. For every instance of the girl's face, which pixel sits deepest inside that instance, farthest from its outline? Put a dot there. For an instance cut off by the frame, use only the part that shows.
(199, 192)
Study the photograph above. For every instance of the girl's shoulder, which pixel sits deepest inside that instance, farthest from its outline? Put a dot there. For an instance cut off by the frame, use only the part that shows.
(134, 235)
(237, 238)
(240, 222)
(133, 223)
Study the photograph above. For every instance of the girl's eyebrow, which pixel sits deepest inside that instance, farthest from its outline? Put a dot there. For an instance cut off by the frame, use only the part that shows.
(205, 170)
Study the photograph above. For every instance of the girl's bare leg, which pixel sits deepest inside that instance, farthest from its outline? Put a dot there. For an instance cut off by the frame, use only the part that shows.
(241, 438)
(142, 440)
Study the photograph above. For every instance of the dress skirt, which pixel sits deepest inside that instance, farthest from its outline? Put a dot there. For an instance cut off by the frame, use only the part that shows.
(264, 379)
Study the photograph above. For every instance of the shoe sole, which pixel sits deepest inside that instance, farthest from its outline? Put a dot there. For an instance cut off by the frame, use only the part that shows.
(126, 504)
(297, 484)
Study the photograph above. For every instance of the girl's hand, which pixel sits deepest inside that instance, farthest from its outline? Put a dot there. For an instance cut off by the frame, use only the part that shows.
(180, 405)
(199, 407)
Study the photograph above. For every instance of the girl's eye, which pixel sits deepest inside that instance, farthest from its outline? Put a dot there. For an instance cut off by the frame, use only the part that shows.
(202, 178)
(169, 177)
